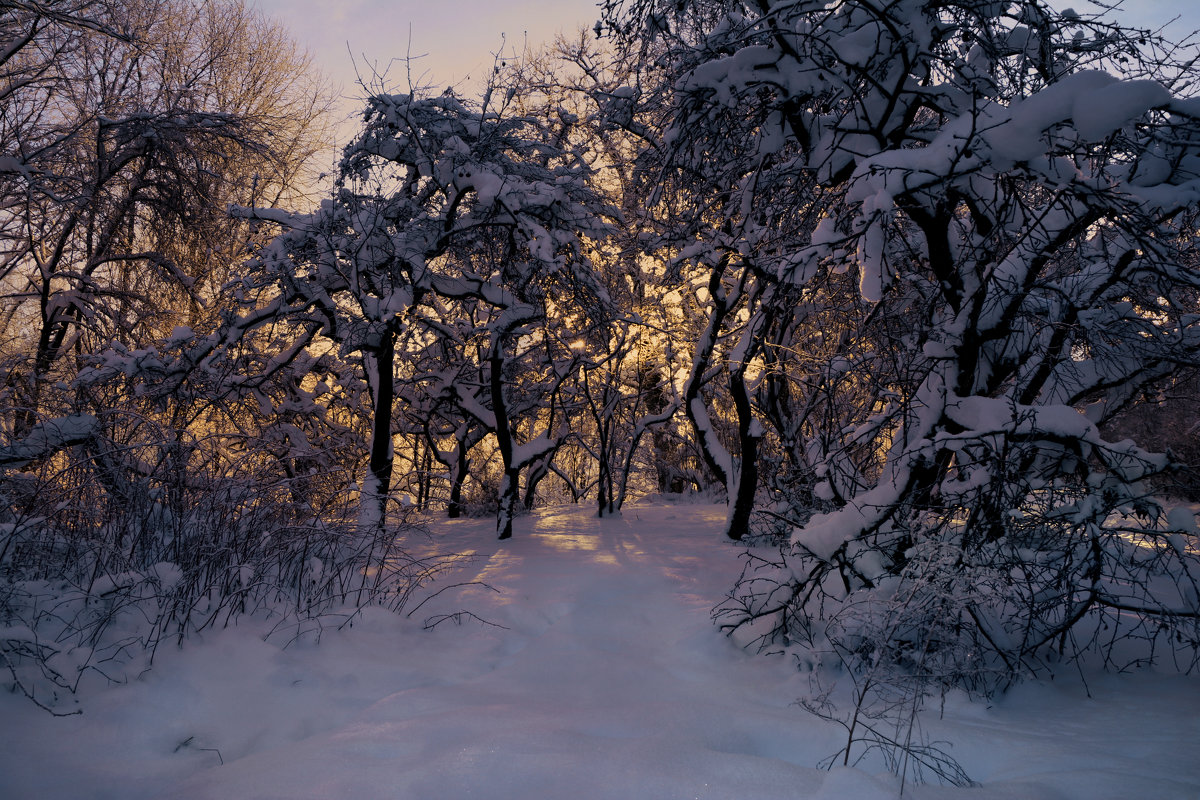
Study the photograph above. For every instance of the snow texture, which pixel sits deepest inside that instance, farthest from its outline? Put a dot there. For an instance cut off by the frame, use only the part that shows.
(608, 680)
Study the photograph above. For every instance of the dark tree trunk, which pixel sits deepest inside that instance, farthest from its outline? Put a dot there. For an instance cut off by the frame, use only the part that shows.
(747, 470)
(509, 484)
(705, 436)
(458, 477)
(604, 491)
(381, 458)
(537, 472)
(424, 479)
(457, 463)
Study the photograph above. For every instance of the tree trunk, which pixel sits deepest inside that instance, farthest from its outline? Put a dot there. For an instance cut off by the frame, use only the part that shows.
(746, 477)
(744, 480)
(509, 484)
(604, 492)
(715, 456)
(454, 509)
(379, 467)
(539, 470)
(425, 479)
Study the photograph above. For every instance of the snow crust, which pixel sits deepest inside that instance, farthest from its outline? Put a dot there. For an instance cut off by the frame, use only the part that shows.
(607, 680)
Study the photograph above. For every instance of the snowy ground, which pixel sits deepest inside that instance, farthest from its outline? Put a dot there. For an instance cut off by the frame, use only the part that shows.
(607, 681)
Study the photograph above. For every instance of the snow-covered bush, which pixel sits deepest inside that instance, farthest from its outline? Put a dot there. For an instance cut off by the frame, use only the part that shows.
(119, 545)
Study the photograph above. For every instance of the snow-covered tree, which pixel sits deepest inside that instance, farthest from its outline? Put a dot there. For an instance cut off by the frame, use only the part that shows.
(471, 203)
(625, 396)
(127, 131)
(1013, 191)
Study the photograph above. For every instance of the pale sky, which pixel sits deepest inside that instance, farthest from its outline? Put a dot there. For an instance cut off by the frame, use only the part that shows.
(1149, 13)
(454, 39)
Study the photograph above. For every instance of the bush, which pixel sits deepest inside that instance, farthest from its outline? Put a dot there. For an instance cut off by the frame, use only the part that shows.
(96, 573)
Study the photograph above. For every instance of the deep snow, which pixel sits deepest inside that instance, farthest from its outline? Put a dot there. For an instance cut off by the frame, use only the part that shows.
(607, 680)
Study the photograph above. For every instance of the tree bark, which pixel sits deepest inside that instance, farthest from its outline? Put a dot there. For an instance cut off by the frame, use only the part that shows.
(380, 462)
(746, 477)
(509, 484)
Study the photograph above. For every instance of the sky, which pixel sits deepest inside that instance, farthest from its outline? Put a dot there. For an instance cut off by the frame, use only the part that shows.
(451, 41)
(1184, 15)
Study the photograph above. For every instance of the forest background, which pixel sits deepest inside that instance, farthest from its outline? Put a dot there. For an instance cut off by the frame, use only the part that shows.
(911, 287)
